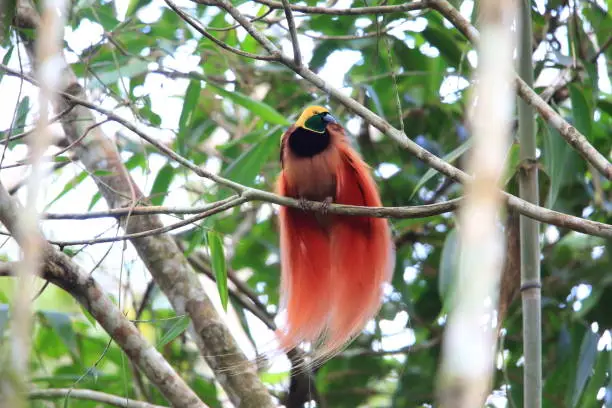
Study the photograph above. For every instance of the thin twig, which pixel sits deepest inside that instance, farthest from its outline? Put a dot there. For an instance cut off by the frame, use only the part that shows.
(353, 11)
(576, 139)
(530, 210)
(195, 24)
(89, 395)
(297, 55)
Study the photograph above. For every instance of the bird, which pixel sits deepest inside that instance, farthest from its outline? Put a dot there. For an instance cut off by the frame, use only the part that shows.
(333, 267)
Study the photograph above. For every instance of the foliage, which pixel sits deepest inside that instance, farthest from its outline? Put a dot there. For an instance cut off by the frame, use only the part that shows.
(227, 112)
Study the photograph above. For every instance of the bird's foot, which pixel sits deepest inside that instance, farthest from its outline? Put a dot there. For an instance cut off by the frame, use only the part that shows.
(303, 203)
(326, 203)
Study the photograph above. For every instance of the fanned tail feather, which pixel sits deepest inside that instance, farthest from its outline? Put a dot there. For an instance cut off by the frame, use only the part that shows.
(332, 277)
(362, 256)
(305, 278)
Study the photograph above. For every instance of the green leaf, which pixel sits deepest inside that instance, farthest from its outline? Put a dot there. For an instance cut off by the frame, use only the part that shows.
(72, 183)
(556, 155)
(597, 381)
(134, 68)
(4, 317)
(450, 158)
(94, 199)
(583, 115)
(189, 106)
(261, 109)
(449, 264)
(219, 267)
(5, 60)
(179, 326)
(62, 325)
(88, 316)
(22, 112)
(135, 5)
(8, 11)
(160, 185)
(442, 38)
(248, 165)
(586, 360)
(513, 159)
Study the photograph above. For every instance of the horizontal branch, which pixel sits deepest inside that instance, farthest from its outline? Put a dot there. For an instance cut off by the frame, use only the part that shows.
(538, 213)
(252, 195)
(535, 212)
(353, 11)
(89, 395)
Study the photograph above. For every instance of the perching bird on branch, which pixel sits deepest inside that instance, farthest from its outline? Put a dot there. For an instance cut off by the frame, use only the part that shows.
(333, 266)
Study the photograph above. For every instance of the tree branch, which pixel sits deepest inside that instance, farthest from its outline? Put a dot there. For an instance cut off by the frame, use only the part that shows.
(160, 254)
(297, 55)
(576, 139)
(525, 208)
(89, 395)
(353, 11)
(60, 270)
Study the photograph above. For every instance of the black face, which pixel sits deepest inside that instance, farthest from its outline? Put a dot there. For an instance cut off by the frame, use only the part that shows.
(306, 143)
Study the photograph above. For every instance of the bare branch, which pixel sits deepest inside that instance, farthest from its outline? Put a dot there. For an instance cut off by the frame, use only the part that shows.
(297, 55)
(525, 208)
(533, 211)
(195, 24)
(410, 6)
(89, 395)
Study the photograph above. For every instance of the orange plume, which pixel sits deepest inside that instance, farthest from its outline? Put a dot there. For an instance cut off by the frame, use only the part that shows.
(333, 266)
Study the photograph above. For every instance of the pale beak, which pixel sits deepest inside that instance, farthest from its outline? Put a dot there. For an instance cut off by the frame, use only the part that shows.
(327, 118)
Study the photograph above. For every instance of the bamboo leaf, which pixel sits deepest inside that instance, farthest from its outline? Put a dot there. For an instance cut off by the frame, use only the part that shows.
(6, 59)
(71, 184)
(248, 165)
(586, 360)
(261, 109)
(175, 330)
(451, 157)
(219, 267)
(583, 115)
(62, 325)
(160, 185)
(189, 106)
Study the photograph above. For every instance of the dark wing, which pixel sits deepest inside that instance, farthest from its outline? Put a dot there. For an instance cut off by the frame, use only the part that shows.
(283, 145)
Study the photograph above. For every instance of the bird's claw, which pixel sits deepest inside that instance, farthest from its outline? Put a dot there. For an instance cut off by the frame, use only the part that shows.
(325, 205)
(303, 203)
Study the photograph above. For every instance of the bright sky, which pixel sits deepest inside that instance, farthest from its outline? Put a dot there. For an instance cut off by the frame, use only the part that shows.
(162, 90)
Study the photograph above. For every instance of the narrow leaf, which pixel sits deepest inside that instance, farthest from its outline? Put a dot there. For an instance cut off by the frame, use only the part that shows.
(160, 185)
(217, 258)
(22, 112)
(62, 325)
(189, 106)
(4, 316)
(450, 158)
(248, 165)
(583, 116)
(261, 109)
(72, 183)
(6, 59)
(586, 360)
(175, 330)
